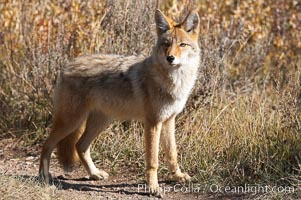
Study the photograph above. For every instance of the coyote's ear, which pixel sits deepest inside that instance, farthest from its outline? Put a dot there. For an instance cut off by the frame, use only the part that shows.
(192, 23)
(161, 22)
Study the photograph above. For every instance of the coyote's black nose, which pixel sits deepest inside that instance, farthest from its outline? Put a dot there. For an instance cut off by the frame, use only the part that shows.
(170, 59)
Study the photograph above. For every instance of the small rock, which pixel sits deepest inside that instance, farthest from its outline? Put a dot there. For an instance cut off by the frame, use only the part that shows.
(29, 158)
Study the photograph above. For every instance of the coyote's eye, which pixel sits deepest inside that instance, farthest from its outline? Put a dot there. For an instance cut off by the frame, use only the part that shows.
(183, 45)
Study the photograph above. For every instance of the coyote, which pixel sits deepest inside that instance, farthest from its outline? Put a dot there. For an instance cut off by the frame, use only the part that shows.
(95, 89)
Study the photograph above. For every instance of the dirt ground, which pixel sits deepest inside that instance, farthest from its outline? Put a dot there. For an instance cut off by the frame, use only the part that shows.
(18, 160)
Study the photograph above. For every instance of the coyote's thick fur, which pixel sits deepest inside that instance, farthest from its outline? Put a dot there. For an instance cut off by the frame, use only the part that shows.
(95, 89)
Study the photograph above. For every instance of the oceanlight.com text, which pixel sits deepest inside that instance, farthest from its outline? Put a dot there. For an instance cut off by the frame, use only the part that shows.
(215, 188)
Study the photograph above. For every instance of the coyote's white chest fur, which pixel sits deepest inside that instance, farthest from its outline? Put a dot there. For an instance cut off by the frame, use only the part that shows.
(182, 81)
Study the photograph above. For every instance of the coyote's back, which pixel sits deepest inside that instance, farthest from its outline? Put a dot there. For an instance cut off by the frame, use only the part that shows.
(103, 82)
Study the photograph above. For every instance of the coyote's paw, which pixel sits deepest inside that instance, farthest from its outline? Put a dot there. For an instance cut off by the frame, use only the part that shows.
(99, 175)
(180, 177)
(155, 190)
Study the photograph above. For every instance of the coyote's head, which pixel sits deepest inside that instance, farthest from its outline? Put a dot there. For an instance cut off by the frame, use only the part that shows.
(177, 43)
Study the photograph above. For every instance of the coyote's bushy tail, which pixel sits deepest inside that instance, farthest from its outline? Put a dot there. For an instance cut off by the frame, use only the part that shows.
(66, 149)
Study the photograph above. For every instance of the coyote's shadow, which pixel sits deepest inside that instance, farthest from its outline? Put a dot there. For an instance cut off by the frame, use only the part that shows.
(123, 188)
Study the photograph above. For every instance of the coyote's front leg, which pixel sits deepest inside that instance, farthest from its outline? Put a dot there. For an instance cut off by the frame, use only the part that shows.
(170, 150)
(151, 139)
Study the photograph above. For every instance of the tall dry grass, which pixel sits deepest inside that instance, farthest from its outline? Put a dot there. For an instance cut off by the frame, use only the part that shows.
(242, 121)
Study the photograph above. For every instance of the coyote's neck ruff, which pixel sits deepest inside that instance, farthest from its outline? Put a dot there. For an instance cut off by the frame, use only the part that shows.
(94, 90)
(178, 80)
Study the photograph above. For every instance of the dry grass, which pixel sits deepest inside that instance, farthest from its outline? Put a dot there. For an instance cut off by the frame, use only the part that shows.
(242, 121)
(26, 188)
